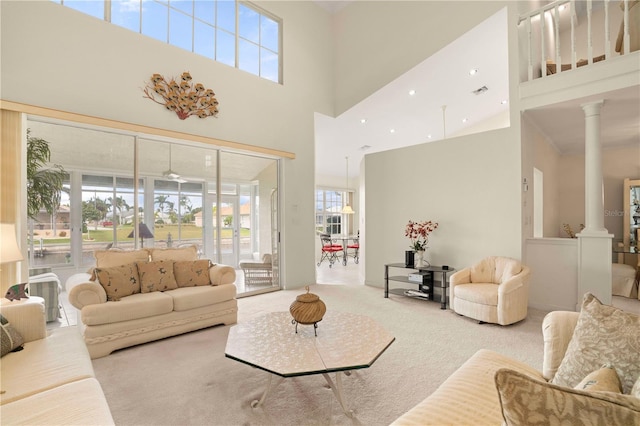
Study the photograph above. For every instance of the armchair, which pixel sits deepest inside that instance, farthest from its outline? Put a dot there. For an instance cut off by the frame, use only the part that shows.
(494, 290)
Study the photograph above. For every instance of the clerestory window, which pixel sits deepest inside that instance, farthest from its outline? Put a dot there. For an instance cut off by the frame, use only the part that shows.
(235, 33)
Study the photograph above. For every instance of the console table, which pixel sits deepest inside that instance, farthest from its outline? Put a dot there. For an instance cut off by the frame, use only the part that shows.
(426, 285)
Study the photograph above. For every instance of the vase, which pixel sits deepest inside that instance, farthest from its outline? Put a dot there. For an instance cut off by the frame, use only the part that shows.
(408, 258)
(419, 260)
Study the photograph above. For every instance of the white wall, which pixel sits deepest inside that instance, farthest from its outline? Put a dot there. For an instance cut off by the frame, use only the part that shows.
(377, 41)
(55, 57)
(470, 185)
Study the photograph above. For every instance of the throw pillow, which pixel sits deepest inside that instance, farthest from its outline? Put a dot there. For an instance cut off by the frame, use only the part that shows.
(605, 379)
(192, 273)
(10, 339)
(108, 258)
(603, 335)
(119, 281)
(175, 254)
(156, 276)
(528, 401)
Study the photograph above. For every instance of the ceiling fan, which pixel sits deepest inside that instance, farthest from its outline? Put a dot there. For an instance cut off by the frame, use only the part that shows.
(170, 174)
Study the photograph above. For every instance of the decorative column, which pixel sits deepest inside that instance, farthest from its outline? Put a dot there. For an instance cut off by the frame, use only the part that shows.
(594, 242)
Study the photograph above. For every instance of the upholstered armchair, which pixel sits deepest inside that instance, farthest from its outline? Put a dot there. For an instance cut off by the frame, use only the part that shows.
(494, 290)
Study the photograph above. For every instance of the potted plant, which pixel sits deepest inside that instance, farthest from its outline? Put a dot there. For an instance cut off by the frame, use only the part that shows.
(418, 234)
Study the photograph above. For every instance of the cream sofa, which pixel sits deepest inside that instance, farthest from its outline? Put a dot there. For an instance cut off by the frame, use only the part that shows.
(51, 381)
(488, 389)
(141, 317)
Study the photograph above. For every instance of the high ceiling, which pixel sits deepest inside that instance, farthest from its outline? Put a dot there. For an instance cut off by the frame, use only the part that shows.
(444, 79)
(395, 118)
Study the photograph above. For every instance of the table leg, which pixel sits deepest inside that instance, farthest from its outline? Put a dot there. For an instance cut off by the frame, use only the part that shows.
(443, 301)
(256, 403)
(337, 390)
(386, 281)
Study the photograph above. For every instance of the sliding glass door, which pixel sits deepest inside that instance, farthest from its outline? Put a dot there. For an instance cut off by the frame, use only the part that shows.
(116, 181)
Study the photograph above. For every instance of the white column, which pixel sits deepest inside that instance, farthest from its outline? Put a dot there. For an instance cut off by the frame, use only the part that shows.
(594, 192)
(594, 242)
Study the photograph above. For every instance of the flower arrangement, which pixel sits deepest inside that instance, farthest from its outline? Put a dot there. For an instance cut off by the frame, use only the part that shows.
(418, 233)
(182, 97)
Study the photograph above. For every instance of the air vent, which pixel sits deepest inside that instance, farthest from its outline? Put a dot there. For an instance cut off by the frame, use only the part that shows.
(480, 91)
(365, 147)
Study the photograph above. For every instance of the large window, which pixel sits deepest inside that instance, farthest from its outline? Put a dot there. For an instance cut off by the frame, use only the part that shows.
(329, 217)
(185, 193)
(235, 33)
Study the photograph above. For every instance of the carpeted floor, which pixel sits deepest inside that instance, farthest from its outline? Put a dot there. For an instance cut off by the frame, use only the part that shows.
(186, 380)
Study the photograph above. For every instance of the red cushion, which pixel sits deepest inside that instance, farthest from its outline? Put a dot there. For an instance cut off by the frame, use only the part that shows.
(354, 246)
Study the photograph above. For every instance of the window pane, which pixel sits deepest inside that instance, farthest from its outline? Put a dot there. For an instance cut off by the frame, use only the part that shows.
(126, 14)
(249, 24)
(225, 48)
(204, 40)
(205, 10)
(268, 65)
(183, 5)
(248, 59)
(180, 30)
(269, 33)
(93, 8)
(155, 19)
(227, 15)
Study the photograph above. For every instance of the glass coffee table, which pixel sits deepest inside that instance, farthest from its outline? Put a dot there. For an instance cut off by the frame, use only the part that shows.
(345, 341)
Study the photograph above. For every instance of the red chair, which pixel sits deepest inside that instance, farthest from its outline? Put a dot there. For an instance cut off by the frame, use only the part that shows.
(329, 251)
(355, 247)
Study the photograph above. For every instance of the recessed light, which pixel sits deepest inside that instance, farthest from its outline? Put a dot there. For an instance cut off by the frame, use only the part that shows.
(392, 130)
(504, 102)
(429, 136)
(473, 71)
(412, 92)
(363, 120)
(464, 120)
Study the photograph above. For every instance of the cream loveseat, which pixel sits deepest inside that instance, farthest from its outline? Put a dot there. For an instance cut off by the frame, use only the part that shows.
(134, 297)
(51, 380)
(589, 358)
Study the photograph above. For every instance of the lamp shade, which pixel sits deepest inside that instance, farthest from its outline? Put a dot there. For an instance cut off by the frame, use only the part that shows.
(143, 231)
(9, 251)
(347, 210)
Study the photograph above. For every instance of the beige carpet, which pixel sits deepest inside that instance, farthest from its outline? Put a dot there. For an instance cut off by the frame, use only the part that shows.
(186, 380)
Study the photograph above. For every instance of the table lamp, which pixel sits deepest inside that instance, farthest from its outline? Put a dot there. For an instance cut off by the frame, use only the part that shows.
(9, 250)
(143, 232)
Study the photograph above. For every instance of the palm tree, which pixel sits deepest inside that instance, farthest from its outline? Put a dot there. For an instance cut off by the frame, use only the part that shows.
(44, 184)
(118, 204)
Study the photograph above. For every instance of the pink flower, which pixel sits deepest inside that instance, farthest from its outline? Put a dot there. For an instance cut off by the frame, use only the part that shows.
(418, 233)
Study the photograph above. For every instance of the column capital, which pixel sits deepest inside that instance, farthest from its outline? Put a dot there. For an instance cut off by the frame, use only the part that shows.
(592, 108)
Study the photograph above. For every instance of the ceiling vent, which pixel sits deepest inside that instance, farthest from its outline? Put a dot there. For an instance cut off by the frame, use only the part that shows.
(480, 91)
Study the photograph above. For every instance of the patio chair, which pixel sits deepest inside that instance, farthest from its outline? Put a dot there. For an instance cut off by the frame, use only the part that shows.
(258, 273)
(355, 249)
(329, 251)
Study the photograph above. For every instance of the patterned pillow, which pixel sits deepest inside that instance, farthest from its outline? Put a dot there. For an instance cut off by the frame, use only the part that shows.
(10, 339)
(605, 379)
(119, 281)
(603, 335)
(192, 273)
(156, 276)
(528, 401)
(175, 254)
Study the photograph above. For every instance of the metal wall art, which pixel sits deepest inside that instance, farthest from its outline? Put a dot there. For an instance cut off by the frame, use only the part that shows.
(182, 96)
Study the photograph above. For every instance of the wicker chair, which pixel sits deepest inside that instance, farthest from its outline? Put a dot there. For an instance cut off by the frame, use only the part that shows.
(258, 273)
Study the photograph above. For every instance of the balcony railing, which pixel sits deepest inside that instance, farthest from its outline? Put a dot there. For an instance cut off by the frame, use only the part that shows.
(559, 30)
